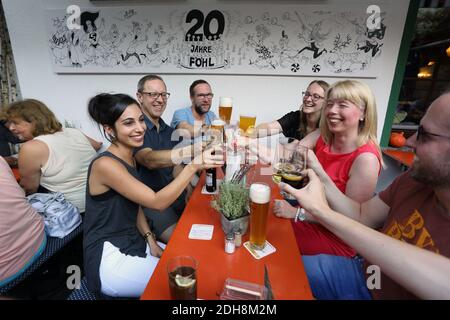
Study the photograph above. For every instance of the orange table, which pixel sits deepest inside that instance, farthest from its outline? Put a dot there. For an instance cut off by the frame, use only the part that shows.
(16, 173)
(404, 157)
(285, 268)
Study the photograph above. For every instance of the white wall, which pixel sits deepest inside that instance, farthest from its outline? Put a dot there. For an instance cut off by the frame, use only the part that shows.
(270, 97)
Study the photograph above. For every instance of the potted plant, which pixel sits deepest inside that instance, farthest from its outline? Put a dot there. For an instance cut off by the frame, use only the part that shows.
(232, 202)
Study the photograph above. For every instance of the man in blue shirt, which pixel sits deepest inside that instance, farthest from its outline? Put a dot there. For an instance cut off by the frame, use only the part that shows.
(155, 157)
(191, 119)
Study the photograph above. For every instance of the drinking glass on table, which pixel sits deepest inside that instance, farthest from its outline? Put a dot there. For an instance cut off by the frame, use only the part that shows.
(290, 161)
(259, 208)
(182, 273)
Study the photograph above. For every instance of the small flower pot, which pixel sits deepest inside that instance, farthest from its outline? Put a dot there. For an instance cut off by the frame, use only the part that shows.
(239, 224)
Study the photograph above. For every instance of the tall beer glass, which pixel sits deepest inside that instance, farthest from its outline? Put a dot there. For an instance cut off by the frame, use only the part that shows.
(218, 130)
(225, 109)
(259, 208)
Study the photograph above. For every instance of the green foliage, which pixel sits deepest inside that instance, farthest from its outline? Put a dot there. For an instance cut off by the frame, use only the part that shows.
(232, 200)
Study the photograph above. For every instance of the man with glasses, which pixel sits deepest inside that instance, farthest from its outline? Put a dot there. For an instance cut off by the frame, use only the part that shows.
(409, 257)
(157, 164)
(198, 115)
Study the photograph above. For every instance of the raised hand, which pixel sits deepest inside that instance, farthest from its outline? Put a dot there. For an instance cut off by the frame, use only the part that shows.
(212, 157)
(312, 196)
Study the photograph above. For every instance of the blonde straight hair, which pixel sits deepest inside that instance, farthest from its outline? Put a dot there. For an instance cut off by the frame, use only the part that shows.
(360, 94)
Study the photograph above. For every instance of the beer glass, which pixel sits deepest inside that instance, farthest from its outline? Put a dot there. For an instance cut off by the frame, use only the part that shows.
(290, 161)
(182, 273)
(246, 121)
(225, 109)
(259, 208)
(218, 130)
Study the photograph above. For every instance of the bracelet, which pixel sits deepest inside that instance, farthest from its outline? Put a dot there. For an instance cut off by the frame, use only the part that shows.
(300, 215)
(147, 234)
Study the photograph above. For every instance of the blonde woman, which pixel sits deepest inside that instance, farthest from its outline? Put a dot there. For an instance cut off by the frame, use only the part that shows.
(347, 150)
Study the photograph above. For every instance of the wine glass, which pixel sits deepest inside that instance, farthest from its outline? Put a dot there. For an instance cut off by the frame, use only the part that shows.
(290, 160)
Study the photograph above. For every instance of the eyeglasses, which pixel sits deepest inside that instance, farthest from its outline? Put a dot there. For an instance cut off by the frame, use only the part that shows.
(422, 134)
(156, 95)
(205, 95)
(314, 97)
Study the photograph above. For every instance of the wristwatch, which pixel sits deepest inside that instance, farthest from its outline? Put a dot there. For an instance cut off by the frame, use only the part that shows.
(300, 215)
(147, 234)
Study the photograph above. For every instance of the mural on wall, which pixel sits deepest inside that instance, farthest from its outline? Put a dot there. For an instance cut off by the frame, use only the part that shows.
(282, 40)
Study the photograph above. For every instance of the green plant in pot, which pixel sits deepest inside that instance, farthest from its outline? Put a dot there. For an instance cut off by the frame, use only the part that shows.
(232, 201)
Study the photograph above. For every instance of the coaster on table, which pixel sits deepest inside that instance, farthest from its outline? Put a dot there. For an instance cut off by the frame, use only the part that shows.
(258, 254)
(201, 232)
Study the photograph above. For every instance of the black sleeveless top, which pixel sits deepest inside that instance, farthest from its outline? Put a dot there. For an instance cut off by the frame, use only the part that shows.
(109, 217)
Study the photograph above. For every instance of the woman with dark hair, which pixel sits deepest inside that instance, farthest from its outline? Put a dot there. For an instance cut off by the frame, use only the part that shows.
(52, 157)
(120, 250)
(297, 124)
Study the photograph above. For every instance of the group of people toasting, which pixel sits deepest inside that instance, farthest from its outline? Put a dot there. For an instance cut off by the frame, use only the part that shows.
(136, 188)
(336, 214)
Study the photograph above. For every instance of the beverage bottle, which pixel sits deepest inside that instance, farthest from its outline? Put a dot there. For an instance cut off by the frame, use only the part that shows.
(211, 179)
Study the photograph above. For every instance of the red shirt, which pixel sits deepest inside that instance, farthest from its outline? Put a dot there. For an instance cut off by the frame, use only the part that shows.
(313, 238)
(338, 165)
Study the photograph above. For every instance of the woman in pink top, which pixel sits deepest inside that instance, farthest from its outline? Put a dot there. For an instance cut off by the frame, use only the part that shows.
(347, 149)
(22, 235)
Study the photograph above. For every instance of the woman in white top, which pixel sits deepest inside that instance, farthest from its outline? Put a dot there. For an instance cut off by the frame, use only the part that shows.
(52, 157)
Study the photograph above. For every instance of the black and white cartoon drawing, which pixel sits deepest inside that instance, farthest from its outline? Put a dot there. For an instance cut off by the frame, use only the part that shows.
(313, 35)
(286, 39)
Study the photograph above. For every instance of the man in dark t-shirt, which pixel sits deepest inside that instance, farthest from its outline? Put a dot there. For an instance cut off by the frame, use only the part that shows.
(155, 157)
(409, 257)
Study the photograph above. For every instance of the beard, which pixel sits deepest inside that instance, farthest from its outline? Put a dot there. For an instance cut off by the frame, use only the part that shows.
(198, 108)
(435, 174)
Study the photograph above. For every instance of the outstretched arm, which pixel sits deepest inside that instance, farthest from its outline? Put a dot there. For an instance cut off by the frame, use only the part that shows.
(371, 213)
(108, 173)
(189, 130)
(153, 159)
(420, 271)
(268, 129)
